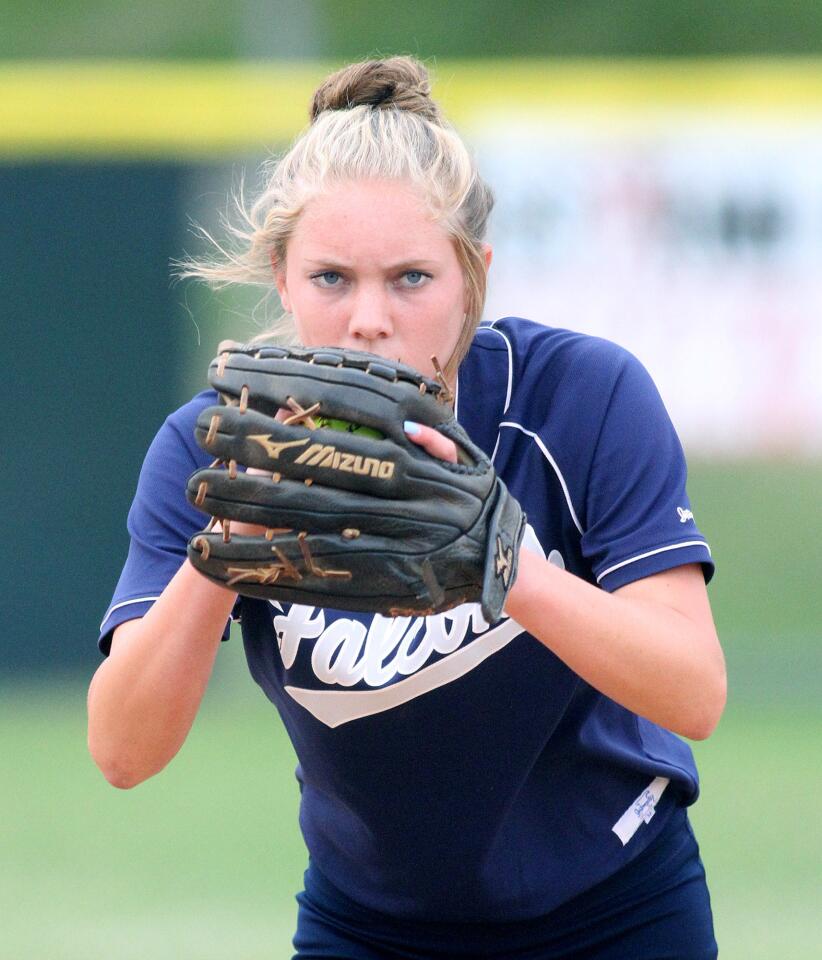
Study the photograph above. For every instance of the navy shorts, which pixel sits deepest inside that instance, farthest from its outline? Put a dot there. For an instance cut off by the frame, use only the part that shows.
(656, 907)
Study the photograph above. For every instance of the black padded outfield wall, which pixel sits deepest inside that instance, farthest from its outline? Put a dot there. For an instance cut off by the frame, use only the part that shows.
(90, 342)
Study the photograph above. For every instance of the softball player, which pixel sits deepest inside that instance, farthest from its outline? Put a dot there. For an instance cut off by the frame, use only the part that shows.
(468, 789)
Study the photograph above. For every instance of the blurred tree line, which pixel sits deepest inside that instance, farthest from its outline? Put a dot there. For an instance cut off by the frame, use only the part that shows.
(352, 29)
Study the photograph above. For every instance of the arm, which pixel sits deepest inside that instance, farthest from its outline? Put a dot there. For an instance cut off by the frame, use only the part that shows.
(144, 697)
(651, 645)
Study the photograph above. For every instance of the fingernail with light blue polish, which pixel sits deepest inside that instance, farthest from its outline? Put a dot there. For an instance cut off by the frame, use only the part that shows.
(410, 427)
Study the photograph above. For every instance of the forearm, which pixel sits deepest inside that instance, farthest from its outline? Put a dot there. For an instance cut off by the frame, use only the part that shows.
(144, 697)
(650, 657)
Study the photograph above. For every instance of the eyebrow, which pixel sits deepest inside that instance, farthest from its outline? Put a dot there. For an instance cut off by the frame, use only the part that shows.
(406, 264)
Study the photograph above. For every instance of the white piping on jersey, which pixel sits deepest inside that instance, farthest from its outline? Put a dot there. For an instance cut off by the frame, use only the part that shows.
(510, 386)
(125, 603)
(510, 365)
(651, 553)
(550, 459)
(564, 485)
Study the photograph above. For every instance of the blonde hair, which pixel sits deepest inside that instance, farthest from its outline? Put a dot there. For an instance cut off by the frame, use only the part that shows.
(370, 120)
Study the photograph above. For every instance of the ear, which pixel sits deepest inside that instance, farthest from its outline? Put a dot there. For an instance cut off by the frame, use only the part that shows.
(279, 281)
(487, 256)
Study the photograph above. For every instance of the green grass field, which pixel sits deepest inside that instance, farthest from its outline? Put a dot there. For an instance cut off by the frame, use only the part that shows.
(203, 861)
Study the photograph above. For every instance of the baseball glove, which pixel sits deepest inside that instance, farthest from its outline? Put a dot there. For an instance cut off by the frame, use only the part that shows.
(354, 520)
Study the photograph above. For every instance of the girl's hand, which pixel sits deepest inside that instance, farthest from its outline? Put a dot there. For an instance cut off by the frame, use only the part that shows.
(432, 441)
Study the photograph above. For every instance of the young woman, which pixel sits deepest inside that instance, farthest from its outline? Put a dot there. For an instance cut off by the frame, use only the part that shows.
(533, 804)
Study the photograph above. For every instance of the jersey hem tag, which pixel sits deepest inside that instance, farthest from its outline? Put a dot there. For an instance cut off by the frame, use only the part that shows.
(641, 810)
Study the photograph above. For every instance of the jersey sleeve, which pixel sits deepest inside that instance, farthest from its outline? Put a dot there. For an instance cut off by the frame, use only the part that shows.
(160, 521)
(638, 517)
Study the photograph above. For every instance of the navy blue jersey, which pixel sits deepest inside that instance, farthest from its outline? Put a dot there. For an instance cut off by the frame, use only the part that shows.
(452, 769)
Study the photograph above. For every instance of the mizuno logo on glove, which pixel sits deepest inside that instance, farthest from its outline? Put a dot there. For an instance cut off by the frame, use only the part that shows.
(325, 455)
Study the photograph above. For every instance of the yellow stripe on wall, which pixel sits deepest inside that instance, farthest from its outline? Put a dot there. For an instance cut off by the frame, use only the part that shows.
(149, 108)
(193, 110)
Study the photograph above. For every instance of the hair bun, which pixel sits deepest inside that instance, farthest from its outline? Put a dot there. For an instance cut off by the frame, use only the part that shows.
(400, 83)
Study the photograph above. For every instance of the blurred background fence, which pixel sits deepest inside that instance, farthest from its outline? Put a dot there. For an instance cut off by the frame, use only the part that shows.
(658, 169)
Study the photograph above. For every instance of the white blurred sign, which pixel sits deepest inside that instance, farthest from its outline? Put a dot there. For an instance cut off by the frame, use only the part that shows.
(696, 245)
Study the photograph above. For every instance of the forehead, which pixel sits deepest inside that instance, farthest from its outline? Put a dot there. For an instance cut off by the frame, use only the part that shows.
(386, 217)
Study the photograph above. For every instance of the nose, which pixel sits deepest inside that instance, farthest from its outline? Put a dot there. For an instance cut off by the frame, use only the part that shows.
(370, 316)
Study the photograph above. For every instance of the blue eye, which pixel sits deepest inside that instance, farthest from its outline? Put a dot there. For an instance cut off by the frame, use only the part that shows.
(327, 278)
(415, 278)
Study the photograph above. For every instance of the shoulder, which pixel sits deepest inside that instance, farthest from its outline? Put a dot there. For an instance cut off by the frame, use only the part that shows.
(534, 347)
(173, 454)
(160, 503)
(551, 367)
(184, 418)
(175, 437)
